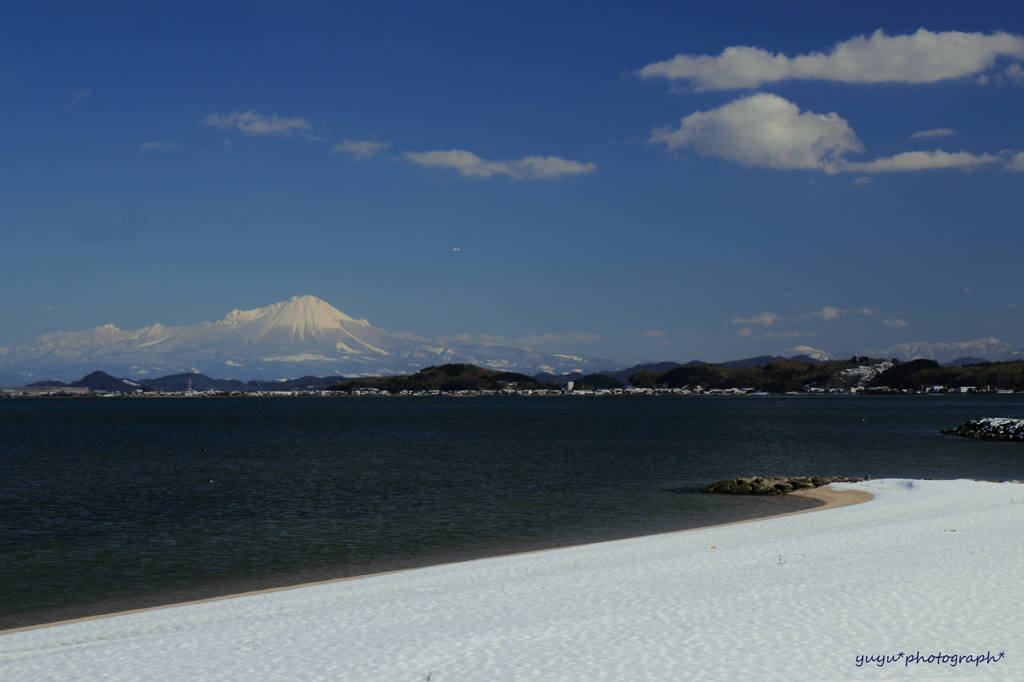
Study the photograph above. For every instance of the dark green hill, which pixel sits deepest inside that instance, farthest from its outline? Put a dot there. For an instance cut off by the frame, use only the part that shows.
(306, 383)
(101, 381)
(777, 376)
(176, 383)
(447, 378)
(750, 362)
(623, 375)
(594, 382)
(917, 373)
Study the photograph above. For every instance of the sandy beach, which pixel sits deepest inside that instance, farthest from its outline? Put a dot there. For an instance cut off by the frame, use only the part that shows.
(711, 603)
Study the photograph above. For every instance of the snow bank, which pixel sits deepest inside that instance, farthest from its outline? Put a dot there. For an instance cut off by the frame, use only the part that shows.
(929, 567)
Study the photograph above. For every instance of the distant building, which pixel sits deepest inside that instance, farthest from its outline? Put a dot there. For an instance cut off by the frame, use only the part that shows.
(44, 390)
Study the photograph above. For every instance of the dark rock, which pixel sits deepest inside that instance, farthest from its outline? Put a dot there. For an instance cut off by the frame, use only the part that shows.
(776, 485)
(990, 428)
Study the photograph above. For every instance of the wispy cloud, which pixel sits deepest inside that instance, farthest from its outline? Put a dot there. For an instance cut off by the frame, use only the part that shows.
(1015, 162)
(253, 124)
(651, 332)
(531, 340)
(912, 161)
(896, 323)
(80, 96)
(830, 313)
(159, 145)
(765, 318)
(470, 165)
(743, 333)
(569, 337)
(361, 149)
(863, 180)
(935, 132)
(921, 57)
(785, 335)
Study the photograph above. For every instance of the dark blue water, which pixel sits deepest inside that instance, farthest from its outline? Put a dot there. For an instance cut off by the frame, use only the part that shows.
(110, 504)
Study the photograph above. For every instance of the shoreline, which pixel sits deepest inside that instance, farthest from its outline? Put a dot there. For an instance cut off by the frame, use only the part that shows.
(829, 499)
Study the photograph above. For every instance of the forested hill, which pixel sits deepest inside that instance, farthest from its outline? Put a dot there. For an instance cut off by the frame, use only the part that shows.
(778, 376)
(926, 373)
(456, 377)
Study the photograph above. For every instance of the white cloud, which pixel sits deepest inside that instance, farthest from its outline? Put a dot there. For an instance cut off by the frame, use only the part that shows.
(911, 161)
(159, 145)
(863, 180)
(784, 335)
(921, 57)
(768, 131)
(830, 313)
(251, 123)
(470, 165)
(743, 333)
(896, 323)
(551, 167)
(80, 96)
(570, 337)
(1016, 162)
(935, 132)
(765, 318)
(765, 130)
(531, 340)
(361, 149)
(650, 332)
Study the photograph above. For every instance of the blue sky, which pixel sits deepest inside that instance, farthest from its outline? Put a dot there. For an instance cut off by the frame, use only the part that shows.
(170, 161)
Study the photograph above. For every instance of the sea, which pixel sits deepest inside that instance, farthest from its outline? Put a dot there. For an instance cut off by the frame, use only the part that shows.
(111, 504)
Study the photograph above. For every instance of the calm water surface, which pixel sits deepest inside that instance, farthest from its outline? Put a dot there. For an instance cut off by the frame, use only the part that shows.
(110, 504)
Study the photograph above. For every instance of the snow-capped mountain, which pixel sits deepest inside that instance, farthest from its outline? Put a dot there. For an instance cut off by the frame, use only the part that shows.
(809, 352)
(987, 349)
(944, 353)
(301, 336)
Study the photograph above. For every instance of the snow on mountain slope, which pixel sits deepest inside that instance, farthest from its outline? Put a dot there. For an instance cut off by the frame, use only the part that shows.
(809, 352)
(301, 336)
(989, 349)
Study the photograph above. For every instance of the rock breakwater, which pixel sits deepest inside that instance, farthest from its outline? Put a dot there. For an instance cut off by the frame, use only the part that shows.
(777, 485)
(990, 428)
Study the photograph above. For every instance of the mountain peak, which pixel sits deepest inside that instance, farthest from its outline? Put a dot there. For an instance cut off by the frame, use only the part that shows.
(809, 352)
(301, 316)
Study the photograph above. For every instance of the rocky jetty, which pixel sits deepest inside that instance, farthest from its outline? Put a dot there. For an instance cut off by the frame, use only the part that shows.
(990, 428)
(777, 485)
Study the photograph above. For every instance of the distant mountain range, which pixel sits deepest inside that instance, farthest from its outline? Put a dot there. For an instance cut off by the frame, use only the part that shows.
(306, 337)
(301, 336)
(982, 350)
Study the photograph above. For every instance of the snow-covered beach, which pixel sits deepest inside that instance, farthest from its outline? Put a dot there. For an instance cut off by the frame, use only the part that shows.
(889, 589)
